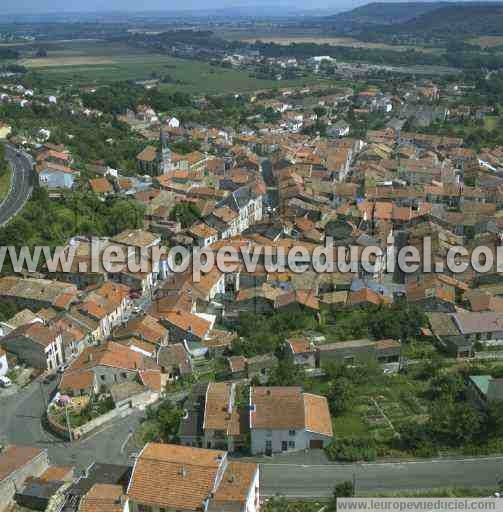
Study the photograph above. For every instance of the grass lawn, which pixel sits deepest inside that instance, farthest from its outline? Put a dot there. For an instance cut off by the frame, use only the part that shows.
(349, 424)
(103, 63)
(5, 184)
(491, 122)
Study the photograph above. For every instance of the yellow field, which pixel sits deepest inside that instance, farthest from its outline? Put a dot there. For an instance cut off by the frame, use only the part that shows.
(487, 41)
(58, 61)
(335, 41)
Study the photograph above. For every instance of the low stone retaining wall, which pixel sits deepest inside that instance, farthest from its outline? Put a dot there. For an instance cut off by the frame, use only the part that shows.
(123, 409)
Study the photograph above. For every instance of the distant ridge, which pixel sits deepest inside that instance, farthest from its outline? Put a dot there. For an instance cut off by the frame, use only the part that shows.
(436, 19)
(386, 12)
(458, 19)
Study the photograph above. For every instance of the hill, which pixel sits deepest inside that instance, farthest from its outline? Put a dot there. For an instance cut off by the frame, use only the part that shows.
(458, 19)
(422, 21)
(385, 13)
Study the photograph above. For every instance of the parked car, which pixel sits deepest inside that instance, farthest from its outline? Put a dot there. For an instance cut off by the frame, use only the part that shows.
(5, 382)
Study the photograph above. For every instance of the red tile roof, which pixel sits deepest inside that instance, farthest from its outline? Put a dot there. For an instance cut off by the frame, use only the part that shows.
(14, 458)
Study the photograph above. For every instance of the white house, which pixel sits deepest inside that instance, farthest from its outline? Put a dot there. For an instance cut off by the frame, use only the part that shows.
(173, 122)
(286, 419)
(339, 129)
(247, 203)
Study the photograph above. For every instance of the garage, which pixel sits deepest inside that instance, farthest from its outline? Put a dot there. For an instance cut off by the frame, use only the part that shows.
(316, 444)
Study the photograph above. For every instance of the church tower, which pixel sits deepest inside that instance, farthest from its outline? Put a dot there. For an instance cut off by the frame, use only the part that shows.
(165, 154)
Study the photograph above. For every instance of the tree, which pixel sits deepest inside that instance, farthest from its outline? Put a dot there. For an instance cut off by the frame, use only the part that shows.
(162, 423)
(341, 395)
(431, 368)
(287, 373)
(456, 423)
(447, 387)
(186, 213)
(416, 438)
(344, 490)
(124, 214)
(495, 419)
(341, 490)
(398, 321)
(319, 111)
(3, 160)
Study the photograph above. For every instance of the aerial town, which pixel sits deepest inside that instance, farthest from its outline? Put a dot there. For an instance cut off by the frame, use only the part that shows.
(143, 388)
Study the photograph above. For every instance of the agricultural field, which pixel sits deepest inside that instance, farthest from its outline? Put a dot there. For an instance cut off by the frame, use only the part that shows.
(381, 409)
(487, 41)
(334, 41)
(102, 63)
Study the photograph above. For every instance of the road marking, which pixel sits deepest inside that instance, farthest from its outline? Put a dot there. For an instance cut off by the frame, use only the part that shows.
(372, 464)
(123, 445)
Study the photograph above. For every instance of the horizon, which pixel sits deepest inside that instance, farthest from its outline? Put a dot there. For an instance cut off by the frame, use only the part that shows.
(114, 7)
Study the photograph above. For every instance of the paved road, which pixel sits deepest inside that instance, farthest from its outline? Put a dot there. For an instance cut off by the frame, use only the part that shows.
(318, 481)
(21, 186)
(20, 423)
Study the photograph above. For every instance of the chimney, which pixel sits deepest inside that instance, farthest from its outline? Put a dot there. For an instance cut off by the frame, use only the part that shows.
(183, 472)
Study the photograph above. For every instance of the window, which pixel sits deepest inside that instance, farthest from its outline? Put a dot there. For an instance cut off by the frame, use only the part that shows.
(268, 445)
(144, 508)
(103, 377)
(291, 432)
(291, 444)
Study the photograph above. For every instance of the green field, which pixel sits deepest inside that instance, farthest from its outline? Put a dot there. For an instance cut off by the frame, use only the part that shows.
(102, 63)
(287, 39)
(491, 122)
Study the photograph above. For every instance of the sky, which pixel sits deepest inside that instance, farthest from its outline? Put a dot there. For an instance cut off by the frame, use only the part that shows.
(41, 6)
(60, 6)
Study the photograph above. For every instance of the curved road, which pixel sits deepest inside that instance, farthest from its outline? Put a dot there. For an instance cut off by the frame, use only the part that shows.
(21, 184)
(20, 423)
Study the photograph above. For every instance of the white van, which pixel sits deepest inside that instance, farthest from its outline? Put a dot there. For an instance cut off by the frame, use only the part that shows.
(5, 382)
